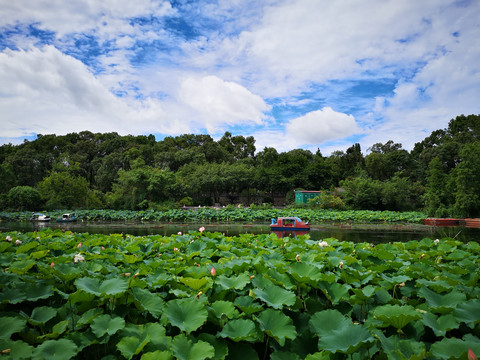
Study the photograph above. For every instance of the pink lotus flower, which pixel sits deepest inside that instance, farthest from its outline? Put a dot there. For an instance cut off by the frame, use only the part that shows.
(103, 248)
(202, 229)
(175, 249)
(213, 271)
(79, 245)
(322, 244)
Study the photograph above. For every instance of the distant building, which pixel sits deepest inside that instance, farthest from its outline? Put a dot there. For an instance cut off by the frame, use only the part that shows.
(302, 196)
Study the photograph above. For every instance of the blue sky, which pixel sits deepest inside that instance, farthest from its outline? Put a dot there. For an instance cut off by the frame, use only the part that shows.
(293, 74)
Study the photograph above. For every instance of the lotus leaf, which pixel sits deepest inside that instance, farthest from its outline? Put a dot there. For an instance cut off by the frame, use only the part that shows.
(132, 345)
(248, 305)
(442, 303)
(275, 296)
(22, 266)
(148, 301)
(440, 325)
(157, 355)
(241, 351)
(277, 325)
(396, 315)
(197, 284)
(41, 314)
(468, 312)
(185, 349)
(338, 334)
(18, 349)
(220, 345)
(240, 330)
(10, 325)
(283, 355)
(187, 314)
(223, 308)
(233, 282)
(107, 287)
(397, 349)
(107, 325)
(453, 348)
(304, 272)
(62, 349)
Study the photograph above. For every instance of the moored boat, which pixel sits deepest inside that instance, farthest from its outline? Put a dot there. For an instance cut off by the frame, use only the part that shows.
(289, 223)
(39, 217)
(67, 218)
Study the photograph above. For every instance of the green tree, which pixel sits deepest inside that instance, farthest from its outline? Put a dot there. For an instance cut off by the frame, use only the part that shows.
(435, 197)
(22, 198)
(467, 181)
(141, 187)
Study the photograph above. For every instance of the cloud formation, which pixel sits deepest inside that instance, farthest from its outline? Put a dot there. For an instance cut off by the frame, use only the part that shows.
(328, 73)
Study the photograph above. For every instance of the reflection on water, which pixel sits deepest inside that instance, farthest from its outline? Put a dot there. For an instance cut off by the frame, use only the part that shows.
(344, 232)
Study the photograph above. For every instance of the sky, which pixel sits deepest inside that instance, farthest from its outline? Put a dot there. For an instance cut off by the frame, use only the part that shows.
(311, 74)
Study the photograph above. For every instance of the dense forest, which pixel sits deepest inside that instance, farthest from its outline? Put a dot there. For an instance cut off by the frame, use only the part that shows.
(441, 175)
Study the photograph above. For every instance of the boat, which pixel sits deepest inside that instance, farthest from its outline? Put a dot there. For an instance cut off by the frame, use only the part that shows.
(66, 218)
(39, 217)
(289, 223)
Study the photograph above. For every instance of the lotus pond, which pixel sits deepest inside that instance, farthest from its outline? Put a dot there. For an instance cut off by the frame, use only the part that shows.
(204, 295)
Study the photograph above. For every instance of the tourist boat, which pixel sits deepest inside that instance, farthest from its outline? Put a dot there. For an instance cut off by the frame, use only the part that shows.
(289, 223)
(66, 218)
(39, 217)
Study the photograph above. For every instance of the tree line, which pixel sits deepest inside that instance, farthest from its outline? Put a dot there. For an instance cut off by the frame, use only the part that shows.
(85, 170)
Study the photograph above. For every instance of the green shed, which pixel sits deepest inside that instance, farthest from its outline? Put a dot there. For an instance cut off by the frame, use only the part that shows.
(302, 196)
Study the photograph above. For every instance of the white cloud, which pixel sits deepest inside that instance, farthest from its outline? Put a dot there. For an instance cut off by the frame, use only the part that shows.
(221, 102)
(106, 18)
(320, 126)
(50, 92)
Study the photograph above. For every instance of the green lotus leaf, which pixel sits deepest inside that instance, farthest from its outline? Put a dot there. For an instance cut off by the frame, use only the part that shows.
(283, 355)
(222, 308)
(395, 348)
(10, 325)
(107, 287)
(281, 279)
(197, 284)
(440, 325)
(185, 349)
(275, 296)
(88, 316)
(233, 282)
(240, 330)
(396, 315)
(41, 314)
(12, 296)
(338, 334)
(248, 305)
(304, 272)
(442, 303)
(277, 325)
(454, 348)
(62, 349)
(21, 267)
(67, 271)
(37, 291)
(335, 292)
(468, 312)
(148, 301)
(437, 285)
(18, 349)
(132, 345)
(26, 247)
(157, 355)
(187, 314)
(107, 325)
(220, 345)
(322, 355)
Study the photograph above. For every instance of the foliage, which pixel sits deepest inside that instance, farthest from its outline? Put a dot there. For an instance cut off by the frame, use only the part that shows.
(158, 297)
(232, 214)
(24, 198)
(326, 201)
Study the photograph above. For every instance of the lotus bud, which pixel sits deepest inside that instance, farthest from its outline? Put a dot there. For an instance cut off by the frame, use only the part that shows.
(79, 245)
(52, 264)
(471, 355)
(103, 248)
(297, 257)
(341, 265)
(213, 271)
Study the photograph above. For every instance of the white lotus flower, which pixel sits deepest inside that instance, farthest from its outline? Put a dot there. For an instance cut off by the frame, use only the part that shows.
(78, 258)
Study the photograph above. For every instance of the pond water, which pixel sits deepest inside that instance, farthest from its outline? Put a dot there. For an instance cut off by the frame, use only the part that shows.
(374, 233)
